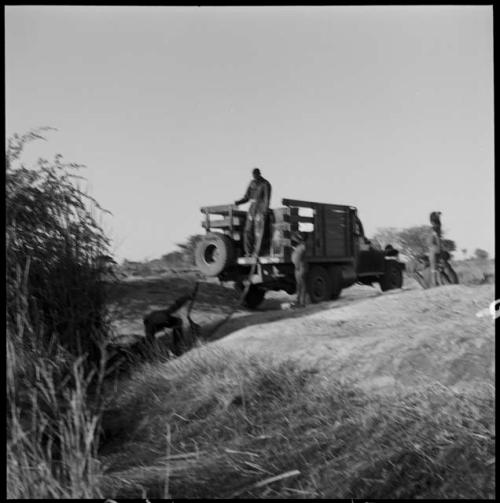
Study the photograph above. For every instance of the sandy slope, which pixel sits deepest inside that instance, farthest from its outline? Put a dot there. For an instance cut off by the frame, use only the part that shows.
(401, 338)
(380, 340)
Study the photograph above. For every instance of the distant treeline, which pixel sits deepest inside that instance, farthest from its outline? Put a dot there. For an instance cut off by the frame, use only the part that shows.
(412, 243)
(180, 260)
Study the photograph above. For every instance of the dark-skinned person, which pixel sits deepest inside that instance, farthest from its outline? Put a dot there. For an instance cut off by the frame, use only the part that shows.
(259, 195)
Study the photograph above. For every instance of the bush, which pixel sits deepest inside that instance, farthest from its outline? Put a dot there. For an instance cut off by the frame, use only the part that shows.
(53, 241)
(184, 257)
(57, 327)
(411, 242)
(481, 254)
(475, 272)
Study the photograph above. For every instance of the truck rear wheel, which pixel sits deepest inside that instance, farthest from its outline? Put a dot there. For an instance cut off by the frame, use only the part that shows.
(319, 284)
(214, 253)
(336, 281)
(393, 276)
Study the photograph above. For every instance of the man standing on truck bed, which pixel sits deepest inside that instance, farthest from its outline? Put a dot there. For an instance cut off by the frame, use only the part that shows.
(259, 195)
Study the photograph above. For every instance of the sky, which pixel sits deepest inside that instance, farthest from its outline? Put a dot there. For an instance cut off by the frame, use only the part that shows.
(386, 108)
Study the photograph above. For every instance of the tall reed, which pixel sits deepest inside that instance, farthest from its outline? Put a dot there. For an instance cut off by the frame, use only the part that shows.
(57, 327)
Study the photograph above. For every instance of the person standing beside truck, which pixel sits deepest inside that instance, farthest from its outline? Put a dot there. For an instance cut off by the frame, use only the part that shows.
(300, 264)
(259, 195)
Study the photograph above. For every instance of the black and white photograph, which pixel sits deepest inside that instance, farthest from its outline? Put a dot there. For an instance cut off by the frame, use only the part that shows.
(250, 252)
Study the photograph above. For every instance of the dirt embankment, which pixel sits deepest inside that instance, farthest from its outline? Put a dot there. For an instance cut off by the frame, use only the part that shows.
(381, 341)
(398, 339)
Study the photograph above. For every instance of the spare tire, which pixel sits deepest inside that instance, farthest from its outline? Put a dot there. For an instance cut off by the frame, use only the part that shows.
(214, 253)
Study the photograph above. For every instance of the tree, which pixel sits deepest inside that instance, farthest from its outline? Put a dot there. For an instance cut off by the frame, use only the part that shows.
(188, 248)
(464, 252)
(174, 259)
(412, 242)
(481, 254)
(387, 236)
(415, 240)
(449, 245)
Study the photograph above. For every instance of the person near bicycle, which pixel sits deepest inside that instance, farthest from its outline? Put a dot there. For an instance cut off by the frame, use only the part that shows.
(434, 244)
(441, 270)
(259, 195)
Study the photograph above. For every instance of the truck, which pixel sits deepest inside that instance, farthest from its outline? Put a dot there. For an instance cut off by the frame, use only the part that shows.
(338, 253)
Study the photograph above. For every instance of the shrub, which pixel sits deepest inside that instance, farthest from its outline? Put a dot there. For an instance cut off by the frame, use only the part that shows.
(481, 254)
(411, 242)
(53, 241)
(57, 327)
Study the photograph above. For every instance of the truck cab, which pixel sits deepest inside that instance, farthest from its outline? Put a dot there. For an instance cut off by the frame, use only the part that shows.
(337, 251)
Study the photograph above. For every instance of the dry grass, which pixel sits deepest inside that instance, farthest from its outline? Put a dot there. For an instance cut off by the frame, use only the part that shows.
(475, 271)
(246, 427)
(52, 433)
(470, 272)
(56, 329)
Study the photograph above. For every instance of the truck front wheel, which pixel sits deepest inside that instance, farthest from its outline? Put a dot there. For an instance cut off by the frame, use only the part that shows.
(336, 281)
(319, 284)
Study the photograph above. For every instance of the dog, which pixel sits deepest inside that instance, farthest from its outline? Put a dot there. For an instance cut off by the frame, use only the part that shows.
(160, 319)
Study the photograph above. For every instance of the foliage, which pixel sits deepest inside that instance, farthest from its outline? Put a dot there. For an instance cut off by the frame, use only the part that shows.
(184, 257)
(475, 271)
(53, 240)
(57, 327)
(385, 236)
(188, 248)
(52, 436)
(174, 259)
(449, 245)
(411, 242)
(481, 254)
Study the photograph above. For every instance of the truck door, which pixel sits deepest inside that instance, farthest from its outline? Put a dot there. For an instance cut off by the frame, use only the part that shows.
(369, 260)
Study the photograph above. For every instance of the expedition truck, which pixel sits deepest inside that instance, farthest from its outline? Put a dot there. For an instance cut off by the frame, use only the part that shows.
(337, 252)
